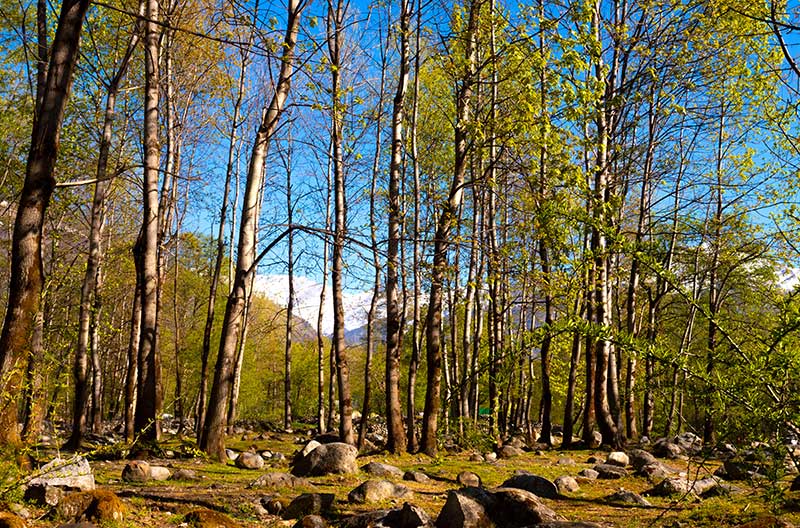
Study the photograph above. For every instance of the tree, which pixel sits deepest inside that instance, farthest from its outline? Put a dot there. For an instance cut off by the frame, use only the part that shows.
(212, 440)
(25, 285)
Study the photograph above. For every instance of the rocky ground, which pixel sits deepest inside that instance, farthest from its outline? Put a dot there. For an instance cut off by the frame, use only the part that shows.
(668, 484)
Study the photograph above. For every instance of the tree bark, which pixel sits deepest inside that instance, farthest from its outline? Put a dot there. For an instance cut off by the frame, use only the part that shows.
(396, 441)
(212, 440)
(26, 277)
(148, 404)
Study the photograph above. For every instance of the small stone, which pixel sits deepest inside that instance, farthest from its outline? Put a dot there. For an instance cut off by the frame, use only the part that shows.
(539, 486)
(378, 490)
(160, 473)
(565, 461)
(378, 469)
(468, 478)
(627, 497)
(508, 451)
(231, 454)
(136, 471)
(249, 460)
(607, 471)
(566, 484)
(311, 521)
(204, 518)
(490, 457)
(476, 457)
(308, 504)
(589, 474)
(416, 476)
(618, 458)
(185, 474)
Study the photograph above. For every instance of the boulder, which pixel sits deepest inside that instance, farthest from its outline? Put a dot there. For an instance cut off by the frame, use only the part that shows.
(508, 451)
(160, 473)
(596, 440)
(377, 469)
(667, 449)
(490, 457)
(506, 507)
(308, 504)
(589, 474)
(249, 460)
(73, 474)
(136, 471)
(278, 479)
(689, 442)
(409, 516)
(378, 490)
(336, 457)
(205, 518)
(9, 520)
(566, 484)
(231, 454)
(43, 495)
(624, 496)
(607, 471)
(468, 478)
(476, 457)
(311, 521)
(97, 505)
(683, 486)
(416, 476)
(617, 458)
(654, 472)
(640, 458)
(565, 461)
(539, 486)
(185, 474)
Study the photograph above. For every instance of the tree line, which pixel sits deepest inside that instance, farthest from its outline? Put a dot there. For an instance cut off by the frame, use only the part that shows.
(577, 214)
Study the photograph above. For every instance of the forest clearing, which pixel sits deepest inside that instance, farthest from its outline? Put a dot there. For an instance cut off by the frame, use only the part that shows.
(466, 239)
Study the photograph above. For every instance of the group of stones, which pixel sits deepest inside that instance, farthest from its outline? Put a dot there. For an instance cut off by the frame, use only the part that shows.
(68, 488)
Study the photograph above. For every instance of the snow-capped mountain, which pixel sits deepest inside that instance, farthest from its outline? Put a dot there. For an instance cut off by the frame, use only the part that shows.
(306, 306)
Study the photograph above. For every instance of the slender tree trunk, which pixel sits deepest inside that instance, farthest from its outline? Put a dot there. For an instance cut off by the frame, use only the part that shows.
(212, 440)
(336, 14)
(148, 404)
(220, 253)
(287, 356)
(447, 219)
(396, 441)
(132, 372)
(26, 277)
(321, 425)
(94, 347)
(413, 364)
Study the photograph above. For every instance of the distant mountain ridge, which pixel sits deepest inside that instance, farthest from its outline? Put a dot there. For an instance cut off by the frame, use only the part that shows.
(275, 287)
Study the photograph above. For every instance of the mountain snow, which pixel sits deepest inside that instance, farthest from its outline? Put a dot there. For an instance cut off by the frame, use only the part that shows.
(306, 301)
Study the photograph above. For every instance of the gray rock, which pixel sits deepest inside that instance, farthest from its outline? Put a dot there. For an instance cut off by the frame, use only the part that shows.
(136, 471)
(336, 457)
(416, 476)
(596, 441)
(308, 504)
(231, 454)
(689, 442)
(468, 478)
(311, 521)
(184, 474)
(378, 469)
(640, 458)
(589, 474)
(607, 471)
(364, 520)
(70, 474)
(566, 484)
(476, 457)
(250, 461)
(378, 490)
(309, 447)
(278, 480)
(160, 473)
(409, 516)
(618, 458)
(539, 486)
(518, 442)
(508, 451)
(43, 495)
(667, 449)
(565, 461)
(627, 497)
(490, 457)
(683, 486)
(654, 472)
(506, 507)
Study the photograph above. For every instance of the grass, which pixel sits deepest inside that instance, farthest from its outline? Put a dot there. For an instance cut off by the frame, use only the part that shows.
(224, 487)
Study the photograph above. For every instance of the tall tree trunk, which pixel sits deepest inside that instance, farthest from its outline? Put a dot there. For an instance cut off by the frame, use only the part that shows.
(287, 355)
(321, 425)
(396, 441)
(96, 223)
(336, 14)
(148, 404)
(94, 347)
(212, 440)
(220, 252)
(26, 278)
(447, 218)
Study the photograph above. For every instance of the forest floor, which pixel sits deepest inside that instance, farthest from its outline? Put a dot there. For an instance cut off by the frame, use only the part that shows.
(224, 488)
